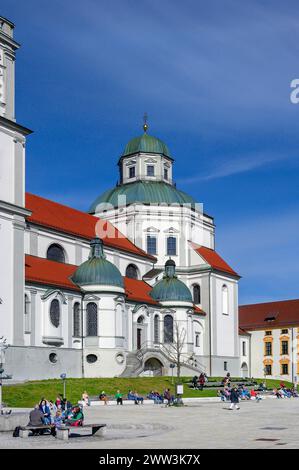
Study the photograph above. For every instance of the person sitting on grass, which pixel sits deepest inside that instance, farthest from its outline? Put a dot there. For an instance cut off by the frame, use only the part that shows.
(85, 398)
(277, 393)
(103, 397)
(285, 393)
(119, 398)
(76, 417)
(244, 393)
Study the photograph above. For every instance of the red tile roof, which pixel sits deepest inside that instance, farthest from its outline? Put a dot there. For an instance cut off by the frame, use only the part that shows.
(243, 332)
(269, 315)
(213, 259)
(64, 219)
(198, 310)
(138, 291)
(50, 273)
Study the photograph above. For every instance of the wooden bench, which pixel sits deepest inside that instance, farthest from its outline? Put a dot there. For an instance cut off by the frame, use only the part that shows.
(63, 432)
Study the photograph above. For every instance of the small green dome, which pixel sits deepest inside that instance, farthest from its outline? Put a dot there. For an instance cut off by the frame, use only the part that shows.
(147, 144)
(170, 288)
(144, 192)
(97, 270)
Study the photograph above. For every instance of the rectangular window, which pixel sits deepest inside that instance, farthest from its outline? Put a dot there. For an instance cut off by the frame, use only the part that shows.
(150, 170)
(268, 333)
(244, 348)
(284, 347)
(268, 348)
(284, 332)
(171, 246)
(151, 243)
(165, 174)
(225, 366)
(132, 172)
(268, 369)
(285, 369)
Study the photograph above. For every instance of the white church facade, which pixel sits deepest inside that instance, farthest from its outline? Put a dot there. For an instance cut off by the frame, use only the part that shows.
(104, 293)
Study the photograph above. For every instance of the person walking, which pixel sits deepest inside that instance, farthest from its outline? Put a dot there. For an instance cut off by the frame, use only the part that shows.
(234, 399)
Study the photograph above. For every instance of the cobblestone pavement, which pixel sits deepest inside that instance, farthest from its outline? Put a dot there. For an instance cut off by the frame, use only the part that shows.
(270, 424)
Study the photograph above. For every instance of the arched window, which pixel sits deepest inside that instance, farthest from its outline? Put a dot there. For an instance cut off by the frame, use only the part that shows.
(224, 300)
(92, 319)
(156, 329)
(171, 246)
(56, 253)
(140, 319)
(168, 329)
(76, 320)
(132, 271)
(27, 314)
(196, 294)
(197, 340)
(55, 313)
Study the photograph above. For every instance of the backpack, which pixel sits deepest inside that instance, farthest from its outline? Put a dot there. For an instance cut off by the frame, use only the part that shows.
(16, 432)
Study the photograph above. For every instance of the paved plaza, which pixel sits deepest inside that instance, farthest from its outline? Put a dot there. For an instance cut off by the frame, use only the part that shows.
(271, 424)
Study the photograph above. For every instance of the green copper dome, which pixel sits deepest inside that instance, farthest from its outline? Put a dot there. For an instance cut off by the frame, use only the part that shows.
(170, 288)
(145, 192)
(97, 270)
(147, 144)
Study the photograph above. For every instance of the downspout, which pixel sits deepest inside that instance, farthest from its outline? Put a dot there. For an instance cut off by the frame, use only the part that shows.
(82, 340)
(293, 362)
(210, 324)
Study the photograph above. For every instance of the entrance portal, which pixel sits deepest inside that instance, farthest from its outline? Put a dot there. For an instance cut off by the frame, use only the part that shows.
(153, 367)
(244, 370)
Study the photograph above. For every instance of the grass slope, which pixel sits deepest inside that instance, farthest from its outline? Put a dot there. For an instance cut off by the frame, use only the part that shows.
(27, 394)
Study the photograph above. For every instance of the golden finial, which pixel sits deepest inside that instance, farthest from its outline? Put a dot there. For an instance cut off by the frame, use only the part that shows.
(145, 126)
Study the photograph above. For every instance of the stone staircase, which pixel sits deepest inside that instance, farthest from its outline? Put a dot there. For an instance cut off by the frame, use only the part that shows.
(133, 364)
(136, 359)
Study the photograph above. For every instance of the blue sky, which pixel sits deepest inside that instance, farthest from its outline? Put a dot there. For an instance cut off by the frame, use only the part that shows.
(214, 78)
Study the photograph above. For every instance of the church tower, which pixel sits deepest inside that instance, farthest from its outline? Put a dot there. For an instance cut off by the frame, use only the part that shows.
(12, 195)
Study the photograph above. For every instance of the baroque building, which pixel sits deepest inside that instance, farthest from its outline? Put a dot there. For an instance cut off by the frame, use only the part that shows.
(104, 293)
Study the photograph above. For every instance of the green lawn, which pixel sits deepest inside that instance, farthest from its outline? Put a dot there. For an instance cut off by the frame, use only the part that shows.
(29, 393)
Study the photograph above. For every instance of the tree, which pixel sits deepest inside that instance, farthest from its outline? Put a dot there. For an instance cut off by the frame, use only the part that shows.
(174, 350)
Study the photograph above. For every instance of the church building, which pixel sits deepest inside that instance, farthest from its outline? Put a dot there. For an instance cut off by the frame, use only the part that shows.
(112, 291)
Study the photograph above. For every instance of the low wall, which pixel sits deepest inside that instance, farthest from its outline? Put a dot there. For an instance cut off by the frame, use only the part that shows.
(10, 422)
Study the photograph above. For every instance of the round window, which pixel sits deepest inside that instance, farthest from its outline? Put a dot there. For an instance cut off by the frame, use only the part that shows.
(53, 358)
(120, 358)
(91, 358)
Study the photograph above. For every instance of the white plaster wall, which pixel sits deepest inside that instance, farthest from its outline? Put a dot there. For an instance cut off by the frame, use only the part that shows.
(70, 245)
(245, 358)
(225, 326)
(138, 221)
(7, 281)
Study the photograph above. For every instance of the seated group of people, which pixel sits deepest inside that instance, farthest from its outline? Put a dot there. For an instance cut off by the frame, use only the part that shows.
(284, 392)
(134, 396)
(56, 413)
(160, 398)
(243, 394)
